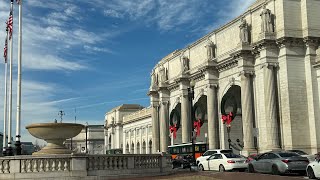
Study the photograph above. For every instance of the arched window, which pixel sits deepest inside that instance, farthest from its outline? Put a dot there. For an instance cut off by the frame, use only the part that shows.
(127, 149)
(132, 149)
(138, 148)
(150, 147)
(144, 147)
(109, 142)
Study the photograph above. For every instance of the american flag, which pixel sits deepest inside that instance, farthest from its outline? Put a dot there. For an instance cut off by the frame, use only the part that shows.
(18, 1)
(10, 24)
(5, 49)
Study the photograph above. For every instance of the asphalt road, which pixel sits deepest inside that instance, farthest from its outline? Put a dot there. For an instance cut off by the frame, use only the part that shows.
(210, 175)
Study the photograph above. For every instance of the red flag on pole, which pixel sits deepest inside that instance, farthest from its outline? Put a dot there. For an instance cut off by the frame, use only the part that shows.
(10, 24)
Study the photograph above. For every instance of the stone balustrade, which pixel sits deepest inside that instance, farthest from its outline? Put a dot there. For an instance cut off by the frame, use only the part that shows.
(82, 166)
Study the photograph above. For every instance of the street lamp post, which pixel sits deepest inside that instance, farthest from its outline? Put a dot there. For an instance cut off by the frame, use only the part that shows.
(86, 137)
(229, 140)
(191, 97)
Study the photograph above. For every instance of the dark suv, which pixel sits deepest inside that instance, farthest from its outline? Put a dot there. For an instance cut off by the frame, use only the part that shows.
(182, 161)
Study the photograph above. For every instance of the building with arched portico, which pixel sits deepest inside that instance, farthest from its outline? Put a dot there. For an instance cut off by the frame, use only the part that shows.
(263, 66)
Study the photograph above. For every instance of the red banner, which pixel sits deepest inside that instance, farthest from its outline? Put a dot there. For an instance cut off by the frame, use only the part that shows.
(227, 119)
(197, 126)
(173, 129)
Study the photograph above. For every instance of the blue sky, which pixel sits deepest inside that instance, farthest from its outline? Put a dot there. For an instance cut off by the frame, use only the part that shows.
(95, 55)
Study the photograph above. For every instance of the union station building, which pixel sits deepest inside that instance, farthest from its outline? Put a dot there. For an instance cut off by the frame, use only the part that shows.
(261, 70)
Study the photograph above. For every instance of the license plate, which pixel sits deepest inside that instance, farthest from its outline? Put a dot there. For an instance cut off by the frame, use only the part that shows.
(240, 161)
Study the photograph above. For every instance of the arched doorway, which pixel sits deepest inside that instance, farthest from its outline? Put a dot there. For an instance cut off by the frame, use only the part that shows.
(175, 122)
(231, 102)
(144, 147)
(138, 148)
(201, 114)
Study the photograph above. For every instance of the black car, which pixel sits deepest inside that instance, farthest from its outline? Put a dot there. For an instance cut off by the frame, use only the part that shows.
(182, 161)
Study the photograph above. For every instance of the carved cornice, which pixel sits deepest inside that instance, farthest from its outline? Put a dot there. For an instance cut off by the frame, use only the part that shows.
(173, 86)
(142, 114)
(228, 64)
(316, 65)
(263, 44)
(290, 42)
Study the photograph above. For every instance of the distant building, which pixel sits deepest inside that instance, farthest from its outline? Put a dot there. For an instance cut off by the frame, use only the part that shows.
(95, 140)
(27, 148)
(128, 127)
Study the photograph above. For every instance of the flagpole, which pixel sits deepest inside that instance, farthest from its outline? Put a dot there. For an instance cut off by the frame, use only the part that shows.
(5, 110)
(18, 116)
(9, 152)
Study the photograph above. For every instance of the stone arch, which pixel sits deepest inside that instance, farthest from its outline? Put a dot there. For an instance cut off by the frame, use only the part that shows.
(175, 103)
(198, 95)
(231, 96)
(175, 118)
(232, 81)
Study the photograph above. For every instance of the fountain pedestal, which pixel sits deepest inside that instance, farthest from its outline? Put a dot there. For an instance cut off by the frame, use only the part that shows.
(54, 134)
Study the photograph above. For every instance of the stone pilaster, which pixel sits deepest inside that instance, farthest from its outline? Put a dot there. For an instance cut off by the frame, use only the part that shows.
(271, 106)
(247, 111)
(312, 92)
(155, 121)
(130, 152)
(164, 119)
(213, 126)
(164, 130)
(135, 141)
(185, 111)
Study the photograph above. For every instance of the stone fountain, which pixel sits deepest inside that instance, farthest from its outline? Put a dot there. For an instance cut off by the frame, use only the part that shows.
(54, 134)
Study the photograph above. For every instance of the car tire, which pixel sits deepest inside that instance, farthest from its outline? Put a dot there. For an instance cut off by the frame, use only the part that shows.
(221, 168)
(201, 168)
(275, 170)
(310, 173)
(172, 166)
(250, 168)
(182, 165)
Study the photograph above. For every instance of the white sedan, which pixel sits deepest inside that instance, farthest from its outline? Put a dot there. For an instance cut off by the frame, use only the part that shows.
(313, 169)
(223, 162)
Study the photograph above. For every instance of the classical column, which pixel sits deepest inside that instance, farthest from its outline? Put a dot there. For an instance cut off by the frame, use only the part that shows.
(185, 117)
(212, 117)
(124, 142)
(271, 106)
(155, 128)
(141, 143)
(129, 131)
(135, 141)
(247, 111)
(164, 126)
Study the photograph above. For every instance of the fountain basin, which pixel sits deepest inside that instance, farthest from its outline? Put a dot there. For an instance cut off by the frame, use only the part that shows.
(54, 134)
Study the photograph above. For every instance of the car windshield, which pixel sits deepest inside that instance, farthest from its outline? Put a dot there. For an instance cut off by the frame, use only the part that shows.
(299, 152)
(231, 155)
(285, 155)
(226, 151)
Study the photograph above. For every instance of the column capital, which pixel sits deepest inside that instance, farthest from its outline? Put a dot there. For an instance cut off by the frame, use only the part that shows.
(312, 42)
(289, 42)
(247, 73)
(270, 65)
(164, 102)
(212, 86)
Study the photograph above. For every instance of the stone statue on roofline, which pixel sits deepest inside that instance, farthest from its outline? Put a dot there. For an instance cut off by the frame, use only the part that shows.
(210, 49)
(154, 79)
(163, 74)
(184, 62)
(266, 20)
(244, 31)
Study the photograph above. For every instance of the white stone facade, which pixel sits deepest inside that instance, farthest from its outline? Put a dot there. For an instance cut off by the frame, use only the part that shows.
(93, 136)
(273, 75)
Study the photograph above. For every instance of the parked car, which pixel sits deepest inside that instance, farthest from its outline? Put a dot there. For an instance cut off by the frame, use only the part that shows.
(280, 162)
(252, 157)
(310, 157)
(209, 153)
(223, 162)
(313, 169)
(182, 161)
